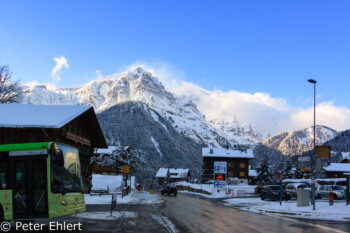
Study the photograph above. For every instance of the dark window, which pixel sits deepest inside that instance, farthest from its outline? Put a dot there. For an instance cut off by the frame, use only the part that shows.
(4, 170)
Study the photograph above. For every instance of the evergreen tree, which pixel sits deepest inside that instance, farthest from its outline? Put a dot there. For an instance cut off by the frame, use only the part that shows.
(264, 172)
(287, 170)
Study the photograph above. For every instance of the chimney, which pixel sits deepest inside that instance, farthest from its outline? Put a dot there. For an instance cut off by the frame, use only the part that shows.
(211, 151)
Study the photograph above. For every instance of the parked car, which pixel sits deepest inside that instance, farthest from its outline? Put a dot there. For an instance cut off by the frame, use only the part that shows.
(292, 189)
(324, 190)
(169, 189)
(272, 192)
(258, 189)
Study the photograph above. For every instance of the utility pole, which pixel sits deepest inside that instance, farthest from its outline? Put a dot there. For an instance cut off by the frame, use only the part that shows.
(312, 159)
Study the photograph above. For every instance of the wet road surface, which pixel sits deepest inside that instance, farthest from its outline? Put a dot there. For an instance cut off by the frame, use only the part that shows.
(195, 214)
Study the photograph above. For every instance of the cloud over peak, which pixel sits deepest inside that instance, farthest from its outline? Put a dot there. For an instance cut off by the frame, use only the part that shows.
(61, 62)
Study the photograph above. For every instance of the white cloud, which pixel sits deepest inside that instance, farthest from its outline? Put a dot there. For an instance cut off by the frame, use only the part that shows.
(263, 111)
(61, 62)
(99, 73)
(258, 109)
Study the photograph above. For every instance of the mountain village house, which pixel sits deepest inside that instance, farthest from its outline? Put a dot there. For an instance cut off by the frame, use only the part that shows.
(237, 163)
(337, 170)
(105, 170)
(175, 174)
(72, 125)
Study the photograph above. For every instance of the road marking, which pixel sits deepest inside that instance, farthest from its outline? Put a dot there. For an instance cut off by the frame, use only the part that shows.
(329, 229)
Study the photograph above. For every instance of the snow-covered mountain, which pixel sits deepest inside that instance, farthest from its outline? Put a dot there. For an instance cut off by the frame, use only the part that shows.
(299, 141)
(137, 85)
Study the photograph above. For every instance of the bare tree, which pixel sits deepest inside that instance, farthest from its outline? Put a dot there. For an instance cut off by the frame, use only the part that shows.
(10, 92)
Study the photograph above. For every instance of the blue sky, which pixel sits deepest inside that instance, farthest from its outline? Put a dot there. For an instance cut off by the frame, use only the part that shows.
(271, 47)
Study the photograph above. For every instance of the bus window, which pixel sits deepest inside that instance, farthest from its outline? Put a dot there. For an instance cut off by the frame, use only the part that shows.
(4, 170)
(66, 178)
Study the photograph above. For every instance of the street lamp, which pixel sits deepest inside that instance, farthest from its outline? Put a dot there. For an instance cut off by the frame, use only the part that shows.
(312, 158)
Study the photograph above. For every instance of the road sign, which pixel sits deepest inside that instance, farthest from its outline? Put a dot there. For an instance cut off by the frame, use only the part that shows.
(228, 181)
(220, 167)
(304, 159)
(323, 151)
(216, 184)
(126, 169)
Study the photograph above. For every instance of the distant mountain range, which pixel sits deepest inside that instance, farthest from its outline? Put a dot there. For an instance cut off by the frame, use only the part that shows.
(299, 141)
(135, 109)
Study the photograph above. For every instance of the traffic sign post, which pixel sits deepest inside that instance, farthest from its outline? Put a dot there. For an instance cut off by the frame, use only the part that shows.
(220, 176)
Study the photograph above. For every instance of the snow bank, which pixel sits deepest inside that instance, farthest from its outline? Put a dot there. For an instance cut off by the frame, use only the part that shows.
(106, 181)
(338, 212)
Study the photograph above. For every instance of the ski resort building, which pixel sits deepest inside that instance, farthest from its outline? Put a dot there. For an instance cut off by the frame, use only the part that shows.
(72, 125)
(237, 163)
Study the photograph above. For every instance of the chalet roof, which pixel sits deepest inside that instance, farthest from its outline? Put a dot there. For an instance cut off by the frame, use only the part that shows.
(50, 117)
(222, 152)
(107, 151)
(338, 167)
(174, 172)
(38, 116)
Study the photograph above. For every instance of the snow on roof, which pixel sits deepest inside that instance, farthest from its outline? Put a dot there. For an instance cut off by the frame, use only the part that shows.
(174, 172)
(106, 151)
(222, 152)
(338, 167)
(38, 116)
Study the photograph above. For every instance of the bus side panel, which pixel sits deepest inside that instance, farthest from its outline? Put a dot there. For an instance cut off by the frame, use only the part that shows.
(75, 204)
(6, 203)
(75, 201)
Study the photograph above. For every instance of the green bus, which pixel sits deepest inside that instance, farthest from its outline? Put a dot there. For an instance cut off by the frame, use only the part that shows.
(39, 181)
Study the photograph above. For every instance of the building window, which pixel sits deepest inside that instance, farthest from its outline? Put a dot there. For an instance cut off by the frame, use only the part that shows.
(241, 174)
(242, 165)
(230, 173)
(230, 165)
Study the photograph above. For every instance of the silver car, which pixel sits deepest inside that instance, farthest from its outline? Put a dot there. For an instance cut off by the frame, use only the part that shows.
(292, 188)
(324, 190)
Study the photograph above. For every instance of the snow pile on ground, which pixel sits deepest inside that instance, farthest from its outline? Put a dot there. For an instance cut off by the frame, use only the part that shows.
(136, 197)
(105, 215)
(103, 182)
(229, 191)
(337, 212)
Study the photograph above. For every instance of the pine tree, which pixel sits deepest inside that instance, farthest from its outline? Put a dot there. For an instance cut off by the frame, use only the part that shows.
(264, 172)
(287, 170)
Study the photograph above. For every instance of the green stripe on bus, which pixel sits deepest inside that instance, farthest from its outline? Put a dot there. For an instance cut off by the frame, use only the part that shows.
(25, 146)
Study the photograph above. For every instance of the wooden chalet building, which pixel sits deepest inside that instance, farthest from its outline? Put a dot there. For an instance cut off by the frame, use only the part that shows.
(175, 175)
(237, 163)
(105, 170)
(337, 170)
(72, 125)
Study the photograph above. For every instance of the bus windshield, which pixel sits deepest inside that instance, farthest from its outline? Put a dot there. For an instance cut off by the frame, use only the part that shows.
(66, 178)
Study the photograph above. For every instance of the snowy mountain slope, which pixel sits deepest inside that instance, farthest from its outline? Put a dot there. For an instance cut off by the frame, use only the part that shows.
(134, 124)
(299, 141)
(138, 85)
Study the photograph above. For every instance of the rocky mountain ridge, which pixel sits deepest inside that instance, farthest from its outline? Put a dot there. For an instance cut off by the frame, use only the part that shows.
(138, 85)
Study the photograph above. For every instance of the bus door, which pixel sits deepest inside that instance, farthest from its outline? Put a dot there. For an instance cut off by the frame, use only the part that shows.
(29, 182)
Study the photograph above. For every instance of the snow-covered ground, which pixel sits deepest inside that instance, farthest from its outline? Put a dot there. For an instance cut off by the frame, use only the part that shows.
(338, 212)
(135, 197)
(229, 191)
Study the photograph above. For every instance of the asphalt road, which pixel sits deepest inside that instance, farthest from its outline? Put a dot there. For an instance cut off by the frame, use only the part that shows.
(189, 213)
(195, 214)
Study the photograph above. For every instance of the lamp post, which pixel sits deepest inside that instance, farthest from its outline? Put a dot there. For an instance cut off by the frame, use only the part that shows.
(312, 157)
